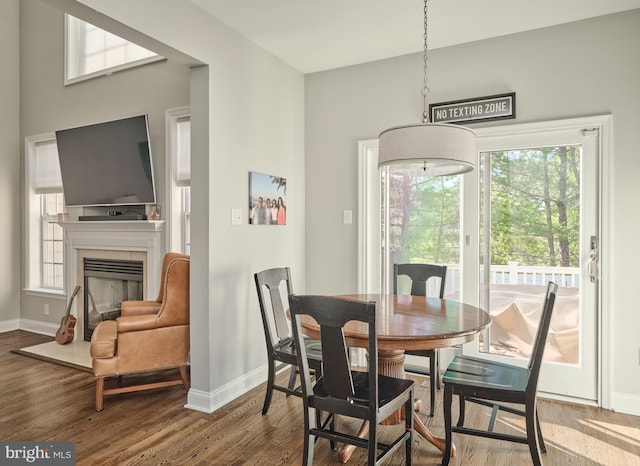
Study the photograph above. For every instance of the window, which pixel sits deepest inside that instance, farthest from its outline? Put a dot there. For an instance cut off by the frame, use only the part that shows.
(421, 223)
(179, 178)
(405, 218)
(91, 51)
(45, 200)
(52, 241)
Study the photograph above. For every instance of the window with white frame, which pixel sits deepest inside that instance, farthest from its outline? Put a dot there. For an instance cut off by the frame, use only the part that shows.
(179, 178)
(52, 241)
(91, 51)
(44, 201)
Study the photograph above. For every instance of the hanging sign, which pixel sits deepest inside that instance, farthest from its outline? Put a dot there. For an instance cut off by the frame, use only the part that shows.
(494, 107)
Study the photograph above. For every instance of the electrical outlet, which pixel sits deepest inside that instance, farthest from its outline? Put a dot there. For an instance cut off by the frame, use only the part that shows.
(46, 310)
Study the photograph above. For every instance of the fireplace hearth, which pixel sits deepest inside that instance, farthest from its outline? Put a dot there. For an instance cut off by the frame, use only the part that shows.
(108, 282)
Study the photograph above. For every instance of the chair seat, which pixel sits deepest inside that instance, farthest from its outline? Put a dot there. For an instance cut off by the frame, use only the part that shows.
(287, 346)
(389, 388)
(485, 374)
(420, 352)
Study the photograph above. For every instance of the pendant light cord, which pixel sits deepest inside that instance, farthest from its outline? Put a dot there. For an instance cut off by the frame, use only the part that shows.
(425, 87)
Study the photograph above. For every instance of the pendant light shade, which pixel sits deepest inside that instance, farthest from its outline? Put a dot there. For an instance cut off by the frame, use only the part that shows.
(438, 149)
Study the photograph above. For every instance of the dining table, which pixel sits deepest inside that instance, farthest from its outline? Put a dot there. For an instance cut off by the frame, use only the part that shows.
(406, 322)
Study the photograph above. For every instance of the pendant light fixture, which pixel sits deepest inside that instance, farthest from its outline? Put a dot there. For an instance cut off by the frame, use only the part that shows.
(437, 149)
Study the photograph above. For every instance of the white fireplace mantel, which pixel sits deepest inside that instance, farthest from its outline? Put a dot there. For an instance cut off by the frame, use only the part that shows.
(144, 239)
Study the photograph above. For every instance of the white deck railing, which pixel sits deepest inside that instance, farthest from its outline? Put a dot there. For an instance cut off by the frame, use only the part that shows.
(513, 274)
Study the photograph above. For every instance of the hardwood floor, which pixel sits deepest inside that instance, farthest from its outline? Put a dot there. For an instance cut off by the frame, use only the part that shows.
(44, 401)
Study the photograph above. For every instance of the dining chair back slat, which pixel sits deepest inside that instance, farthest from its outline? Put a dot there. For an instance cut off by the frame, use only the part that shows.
(419, 275)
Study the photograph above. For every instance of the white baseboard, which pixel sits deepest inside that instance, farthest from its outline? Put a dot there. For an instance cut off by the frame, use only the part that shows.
(9, 325)
(208, 402)
(625, 403)
(35, 326)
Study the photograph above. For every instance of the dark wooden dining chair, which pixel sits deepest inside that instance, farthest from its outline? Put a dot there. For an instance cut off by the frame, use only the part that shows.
(490, 383)
(419, 275)
(281, 349)
(344, 392)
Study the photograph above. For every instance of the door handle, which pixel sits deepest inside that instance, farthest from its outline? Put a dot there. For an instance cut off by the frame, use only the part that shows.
(592, 265)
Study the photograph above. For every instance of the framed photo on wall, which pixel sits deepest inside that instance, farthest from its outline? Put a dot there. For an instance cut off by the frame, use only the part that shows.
(267, 199)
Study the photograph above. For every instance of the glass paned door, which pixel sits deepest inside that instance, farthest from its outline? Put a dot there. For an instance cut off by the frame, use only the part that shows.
(538, 217)
(530, 224)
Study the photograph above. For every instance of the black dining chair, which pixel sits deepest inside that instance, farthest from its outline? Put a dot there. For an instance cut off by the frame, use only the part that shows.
(281, 349)
(491, 383)
(342, 391)
(419, 275)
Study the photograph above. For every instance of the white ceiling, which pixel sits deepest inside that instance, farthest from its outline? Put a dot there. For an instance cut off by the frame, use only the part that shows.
(316, 35)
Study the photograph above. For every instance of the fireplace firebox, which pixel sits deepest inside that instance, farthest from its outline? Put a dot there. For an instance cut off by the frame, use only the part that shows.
(108, 282)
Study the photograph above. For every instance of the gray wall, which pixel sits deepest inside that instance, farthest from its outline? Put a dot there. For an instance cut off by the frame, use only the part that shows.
(578, 69)
(10, 159)
(47, 105)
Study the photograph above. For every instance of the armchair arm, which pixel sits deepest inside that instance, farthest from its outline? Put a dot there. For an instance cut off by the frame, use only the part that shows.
(104, 340)
(136, 323)
(134, 308)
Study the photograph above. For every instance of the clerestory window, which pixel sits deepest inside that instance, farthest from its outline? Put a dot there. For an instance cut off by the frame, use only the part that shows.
(91, 52)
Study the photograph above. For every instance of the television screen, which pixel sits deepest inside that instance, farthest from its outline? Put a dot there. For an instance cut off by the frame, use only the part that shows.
(107, 164)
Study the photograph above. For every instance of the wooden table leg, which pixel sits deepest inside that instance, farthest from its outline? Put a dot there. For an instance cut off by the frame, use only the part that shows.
(391, 363)
(438, 442)
(345, 451)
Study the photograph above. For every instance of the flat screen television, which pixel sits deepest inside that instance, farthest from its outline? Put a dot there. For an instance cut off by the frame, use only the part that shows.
(107, 164)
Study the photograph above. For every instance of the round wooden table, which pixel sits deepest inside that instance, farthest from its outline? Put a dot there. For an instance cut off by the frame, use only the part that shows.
(407, 322)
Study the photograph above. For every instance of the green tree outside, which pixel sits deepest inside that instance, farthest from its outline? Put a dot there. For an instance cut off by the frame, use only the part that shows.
(534, 217)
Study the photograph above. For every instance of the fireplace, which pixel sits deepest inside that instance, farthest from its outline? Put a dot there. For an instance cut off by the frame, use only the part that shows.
(122, 240)
(108, 282)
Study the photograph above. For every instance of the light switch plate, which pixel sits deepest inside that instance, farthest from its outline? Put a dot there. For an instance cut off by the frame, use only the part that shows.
(236, 216)
(347, 217)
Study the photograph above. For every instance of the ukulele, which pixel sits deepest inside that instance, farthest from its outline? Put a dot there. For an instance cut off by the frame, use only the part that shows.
(65, 333)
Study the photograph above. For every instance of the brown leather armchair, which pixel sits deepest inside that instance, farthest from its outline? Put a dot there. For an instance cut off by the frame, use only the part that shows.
(149, 335)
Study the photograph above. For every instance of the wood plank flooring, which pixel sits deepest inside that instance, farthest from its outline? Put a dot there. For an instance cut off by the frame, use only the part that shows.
(43, 401)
